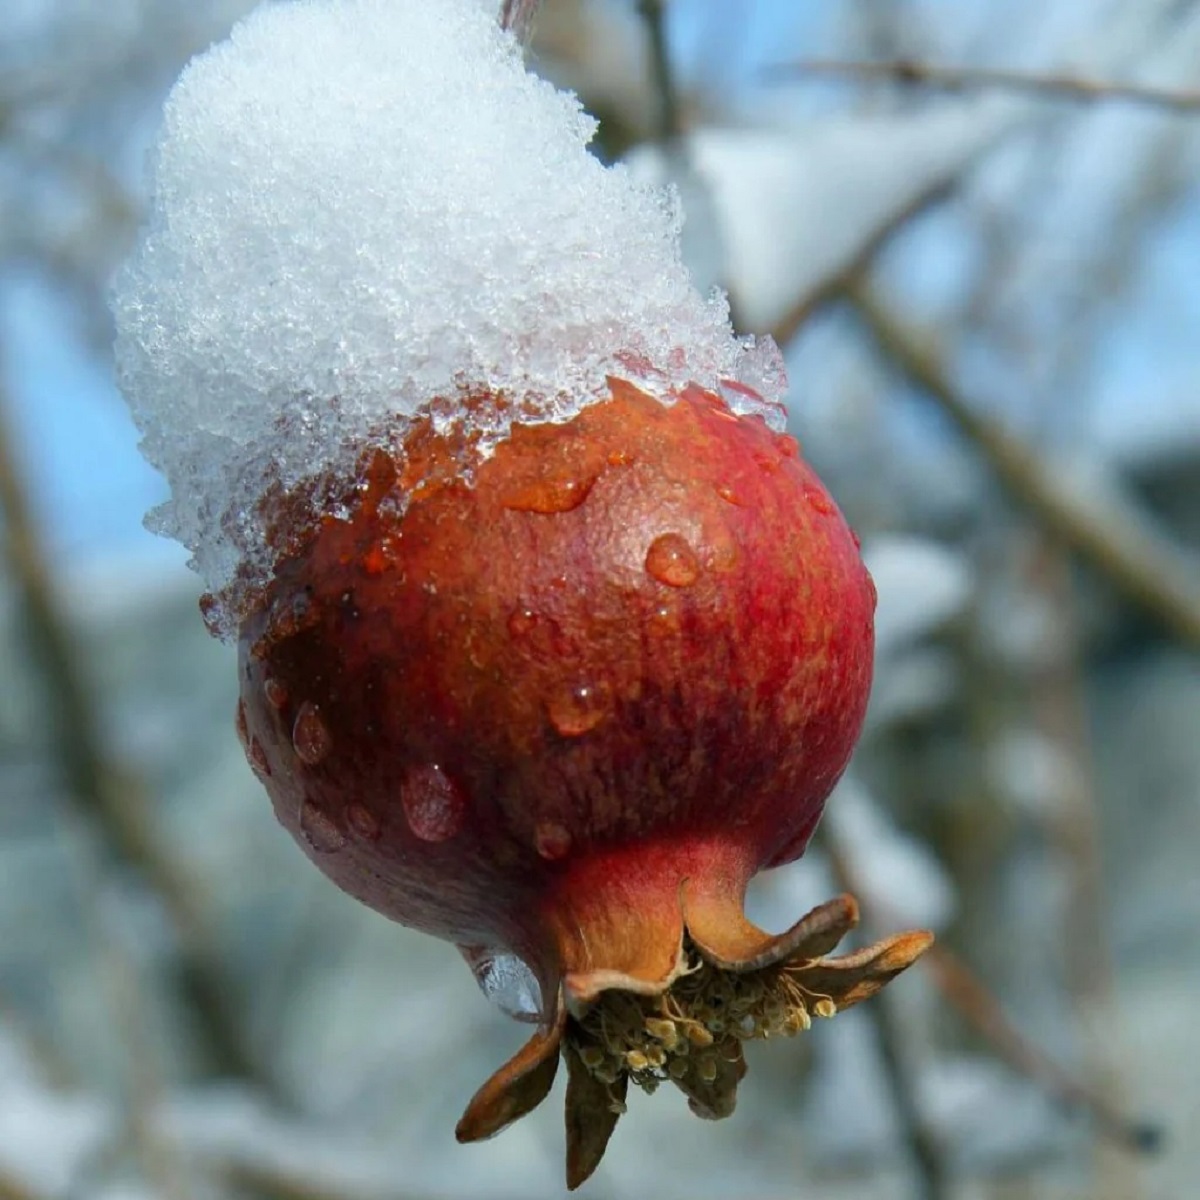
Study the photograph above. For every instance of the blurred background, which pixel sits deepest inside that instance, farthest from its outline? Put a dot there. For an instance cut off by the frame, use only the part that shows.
(974, 228)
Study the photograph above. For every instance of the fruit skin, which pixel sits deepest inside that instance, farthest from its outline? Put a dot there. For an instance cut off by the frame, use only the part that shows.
(523, 701)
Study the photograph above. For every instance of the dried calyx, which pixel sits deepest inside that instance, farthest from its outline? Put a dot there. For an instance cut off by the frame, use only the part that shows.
(689, 1030)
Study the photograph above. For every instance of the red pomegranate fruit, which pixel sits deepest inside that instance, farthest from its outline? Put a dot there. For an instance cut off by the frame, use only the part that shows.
(562, 701)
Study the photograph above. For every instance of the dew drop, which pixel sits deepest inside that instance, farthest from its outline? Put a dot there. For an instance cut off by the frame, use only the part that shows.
(787, 445)
(310, 738)
(243, 730)
(672, 561)
(552, 840)
(275, 692)
(363, 822)
(730, 495)
(320, 830)
(550, 495)
(576, 710)
(506, 981)
(433, 803)
(522, 622)
(819, 502)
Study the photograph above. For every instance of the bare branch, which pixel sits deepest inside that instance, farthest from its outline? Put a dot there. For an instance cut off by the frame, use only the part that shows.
(1112, 539)
(105, 795)
(923, 1147)
(977, 1004)
(669, 123)
(1069, 88)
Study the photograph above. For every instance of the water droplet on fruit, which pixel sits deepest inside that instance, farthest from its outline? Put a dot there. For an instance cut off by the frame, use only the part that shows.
(819, 502)
(433, 803)
(787, 445)
(549, 495)
(363, 822)
(552, 840)
(310, 738)
(578, 709)
(672, 561)
(239, 721)
(874, 591)
(856, 539)
(275, 692)
(320, 830)
(506, 981)
(522, 622)
(211, 613)
(257, 758)
(730, 495)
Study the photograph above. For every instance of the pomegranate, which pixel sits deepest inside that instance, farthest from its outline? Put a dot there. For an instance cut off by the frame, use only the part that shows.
(562, 701)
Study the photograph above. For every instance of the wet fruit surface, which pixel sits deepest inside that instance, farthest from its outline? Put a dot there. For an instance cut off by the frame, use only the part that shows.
(622, 627)
(558, 704)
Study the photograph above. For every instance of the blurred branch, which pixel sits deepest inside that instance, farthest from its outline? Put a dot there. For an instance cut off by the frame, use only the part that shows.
(106, 797)
(669, 123)
(1069, 88)
(924, 1150)
(1112, 539)
(977, 1004)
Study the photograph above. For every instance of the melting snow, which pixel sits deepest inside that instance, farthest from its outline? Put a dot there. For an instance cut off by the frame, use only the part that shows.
(359, 206)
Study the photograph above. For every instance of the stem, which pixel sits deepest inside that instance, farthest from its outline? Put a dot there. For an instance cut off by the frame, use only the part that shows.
(519, 16)
(669, 123)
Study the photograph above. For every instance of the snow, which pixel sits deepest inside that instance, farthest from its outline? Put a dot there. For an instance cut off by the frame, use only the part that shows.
(360, 206)
(790, 209)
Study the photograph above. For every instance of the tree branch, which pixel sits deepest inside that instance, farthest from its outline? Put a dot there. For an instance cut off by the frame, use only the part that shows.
(1070, 88)
(1113, 540)
(107, 798)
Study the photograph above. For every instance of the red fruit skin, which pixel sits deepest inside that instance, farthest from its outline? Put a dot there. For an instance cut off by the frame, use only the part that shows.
(632, 650)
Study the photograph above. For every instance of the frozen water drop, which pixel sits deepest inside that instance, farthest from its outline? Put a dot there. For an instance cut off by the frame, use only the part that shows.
(320, 830)
(310, 738)
(434, 804)
(275, 692)
(579, 708)
(730, 495)
(507, 982)
(672, 561)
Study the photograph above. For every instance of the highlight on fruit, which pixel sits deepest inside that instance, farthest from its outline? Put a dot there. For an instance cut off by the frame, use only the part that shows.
(549, 638)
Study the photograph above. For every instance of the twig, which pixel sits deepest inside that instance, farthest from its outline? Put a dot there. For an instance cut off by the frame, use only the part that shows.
(1069, 88)
(106, 796)
(669, 123)
(1144, 568)
(519, 16)
(924, 1150)
(977, 1004)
